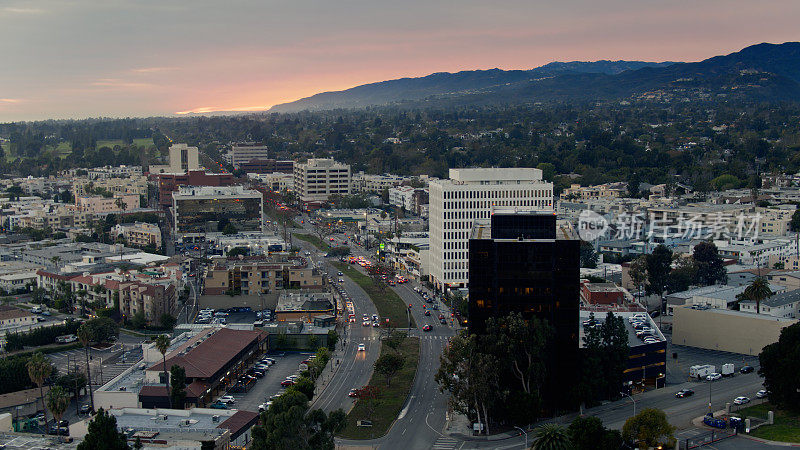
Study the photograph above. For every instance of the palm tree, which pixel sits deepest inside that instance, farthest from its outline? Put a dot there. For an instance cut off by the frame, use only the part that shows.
(551, 436)
(758, 291)
(57, 402)
(85, 336)
(38, 370)
(162, 344)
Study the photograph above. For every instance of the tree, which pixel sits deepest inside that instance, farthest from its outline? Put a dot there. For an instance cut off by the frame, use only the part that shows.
(288, 424)
(588, 433)
(14, 192)
(780, 364)
(548, 171)
(551, 436)
(368, 397)
(683, 275)
(103, 434)
(523, 345)
(388, 364)
(139, 320)
(588, 256)
(85, 337)
(633, 185)
(177, 392)
(168, 321)
(757, 291)
(710, 269)
(306, 386)
(39, 369)
(650, 428)
(229, 229)
(162, 343)
(102, 329)
(605, 359)
(638, 271)
(794, 225)
(333, 338)
(394, 339)
(57, 403)
(659, 265)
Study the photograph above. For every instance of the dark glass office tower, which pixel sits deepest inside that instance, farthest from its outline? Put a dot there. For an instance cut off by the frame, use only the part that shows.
(522, 262)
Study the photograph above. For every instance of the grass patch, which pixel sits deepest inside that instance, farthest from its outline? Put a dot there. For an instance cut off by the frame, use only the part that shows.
(391, 400)
(110, 143)
(785, 429)
(389, 304)
(317, 242)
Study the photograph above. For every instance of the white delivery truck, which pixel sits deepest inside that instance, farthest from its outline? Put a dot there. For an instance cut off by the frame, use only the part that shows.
(701, 370)
(727, 370)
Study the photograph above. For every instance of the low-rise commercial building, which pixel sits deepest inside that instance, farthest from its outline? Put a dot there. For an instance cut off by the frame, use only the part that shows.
(602, 293)
(139, 234)
(725, 330)
(11, 317)
(200, 209)
(260, 275)
(97, 204)
(304, 306)
(171, 182)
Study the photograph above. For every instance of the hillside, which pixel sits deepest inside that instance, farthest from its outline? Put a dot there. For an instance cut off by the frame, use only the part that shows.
(763, 72)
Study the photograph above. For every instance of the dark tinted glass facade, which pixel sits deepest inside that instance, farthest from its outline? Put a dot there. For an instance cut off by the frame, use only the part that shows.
(194, 216)
(536, 278)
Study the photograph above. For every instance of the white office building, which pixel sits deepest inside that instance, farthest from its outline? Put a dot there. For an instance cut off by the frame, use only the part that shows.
(183, 158)
(244, 153)
(317, 179)
(471, 194)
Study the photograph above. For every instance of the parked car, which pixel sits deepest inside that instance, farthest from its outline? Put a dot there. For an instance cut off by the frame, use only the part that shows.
(684, 393)
(746, 369)
(714, 376)
(218, 405)
(427, 313)
(443, 321)
(741, 400)
(712, 421)
(762, 394)
(227, 399)
(86, 408)
(287, 383)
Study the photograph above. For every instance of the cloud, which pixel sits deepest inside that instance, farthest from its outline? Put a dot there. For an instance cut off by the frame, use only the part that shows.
(10, 100)
(153, 69)
(210, 109)
(117, 83)
(22, 11)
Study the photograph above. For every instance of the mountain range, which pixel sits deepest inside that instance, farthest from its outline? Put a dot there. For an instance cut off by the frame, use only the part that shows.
(762, 72)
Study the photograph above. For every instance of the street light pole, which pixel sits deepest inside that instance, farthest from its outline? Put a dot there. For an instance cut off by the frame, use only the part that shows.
(632, 399)
(526, 435)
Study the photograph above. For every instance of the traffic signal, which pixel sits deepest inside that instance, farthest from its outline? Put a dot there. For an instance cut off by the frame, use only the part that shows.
(409, 306)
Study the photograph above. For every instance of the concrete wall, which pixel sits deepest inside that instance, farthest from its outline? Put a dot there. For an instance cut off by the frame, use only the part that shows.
(116, 399)
(730, 331)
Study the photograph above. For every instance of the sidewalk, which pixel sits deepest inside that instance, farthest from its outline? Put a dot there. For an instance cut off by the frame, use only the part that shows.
(337, 357)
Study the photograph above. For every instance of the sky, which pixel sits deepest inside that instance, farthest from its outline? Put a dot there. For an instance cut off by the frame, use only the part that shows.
(115, 58)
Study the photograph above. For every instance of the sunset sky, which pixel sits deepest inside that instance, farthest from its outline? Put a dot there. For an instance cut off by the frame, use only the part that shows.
(114, 58)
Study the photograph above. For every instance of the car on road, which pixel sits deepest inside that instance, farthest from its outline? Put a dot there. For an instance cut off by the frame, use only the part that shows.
(713, 376)
(427, 313)
(746, 369)
(341, 280)
(218, 405)
(684, 393)
(762, 394)
(427, 328)
(376, 324)
(443, 321)
(362, 347)
(340, 274)
(86, 408)
(227, 399)
(353, 393)
(741, 400)
(365, 323)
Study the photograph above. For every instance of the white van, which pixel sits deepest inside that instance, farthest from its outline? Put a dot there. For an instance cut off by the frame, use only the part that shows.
(36, 309)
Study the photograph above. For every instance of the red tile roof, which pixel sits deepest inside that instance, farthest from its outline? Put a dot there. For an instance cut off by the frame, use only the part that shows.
(214, 353)
(239, 422)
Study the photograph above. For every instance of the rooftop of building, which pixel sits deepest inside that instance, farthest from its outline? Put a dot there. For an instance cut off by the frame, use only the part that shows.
(602, 287)
(779, 299)
(492, 174)
(633, 340)
(195, 423)
(9, 312)
(304, 301)
(207, 357)
(731, 312)
(214, 191)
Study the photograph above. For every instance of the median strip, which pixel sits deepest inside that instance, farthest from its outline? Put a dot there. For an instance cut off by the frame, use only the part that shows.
(382, 411)
(314, 240)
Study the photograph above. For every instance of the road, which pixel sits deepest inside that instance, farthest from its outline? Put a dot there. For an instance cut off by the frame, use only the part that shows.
(356, 367)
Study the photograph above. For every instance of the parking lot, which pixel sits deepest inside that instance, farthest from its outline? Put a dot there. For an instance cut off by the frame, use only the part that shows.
(678, 369)
(263, 388)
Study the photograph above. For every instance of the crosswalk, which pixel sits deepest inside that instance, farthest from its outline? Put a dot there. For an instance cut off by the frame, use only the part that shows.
(444, 443)
(427, 337)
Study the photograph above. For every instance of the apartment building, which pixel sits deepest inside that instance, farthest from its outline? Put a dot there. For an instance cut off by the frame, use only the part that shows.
(97, 204)
(139, 234)
(260, 275)
(134, 185)
(318, 179)
(364, 182)
(608, 190)
(471, 194)
(122, 171)
(276, 181)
